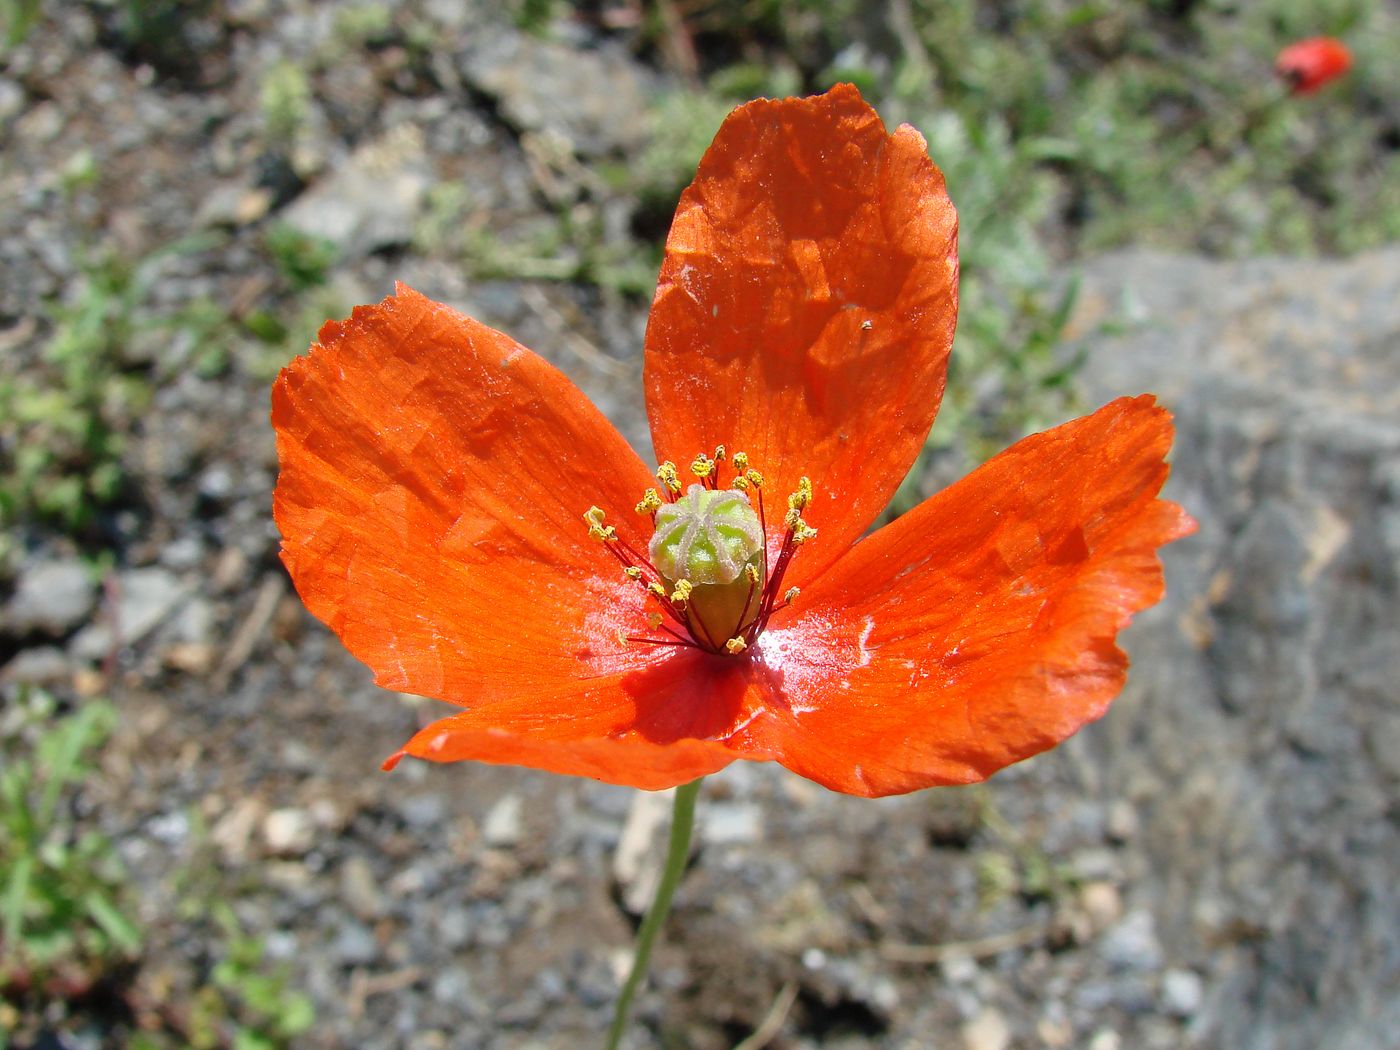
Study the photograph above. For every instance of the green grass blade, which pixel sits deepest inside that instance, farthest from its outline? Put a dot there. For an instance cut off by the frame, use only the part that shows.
(16, 895)
(119, 929)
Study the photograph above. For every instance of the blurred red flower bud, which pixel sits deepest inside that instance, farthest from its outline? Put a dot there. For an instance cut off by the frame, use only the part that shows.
(1309, 64)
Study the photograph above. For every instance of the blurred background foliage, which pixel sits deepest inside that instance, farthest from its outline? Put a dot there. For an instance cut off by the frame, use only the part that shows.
(68, 932)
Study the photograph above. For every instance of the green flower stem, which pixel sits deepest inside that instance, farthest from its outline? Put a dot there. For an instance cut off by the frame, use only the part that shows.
(677, 851)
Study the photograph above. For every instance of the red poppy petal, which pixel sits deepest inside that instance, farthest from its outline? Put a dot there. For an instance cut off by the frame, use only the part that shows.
(434, 477)
(978, 629)
(652, 727)
(806, 308)
(630, 760)
(1308, 65)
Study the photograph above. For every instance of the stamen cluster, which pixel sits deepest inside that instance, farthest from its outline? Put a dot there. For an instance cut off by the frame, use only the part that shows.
(707, 566)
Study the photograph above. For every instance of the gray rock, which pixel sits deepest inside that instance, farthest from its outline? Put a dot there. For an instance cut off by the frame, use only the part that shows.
(423, 811)
(184, 552)
(45, 665)
(52, 598)
(452, 986)
(637, 859)
(355, 945)
(371, 200)
(11, 99)
(194, 624)
(959, 968)
(1095, 864)
(454, 928)
(216, 483)
(171, 828)
(987, 1031)
(1102, 904)
(504, 824)
(232, 205)
(595, 100)
(289, 832)
(359, 888)
(145, 598)
(730, 823)
(453, 15)
(1132, 944)
(1182, 992)
(1258, 735)
(1122, 822)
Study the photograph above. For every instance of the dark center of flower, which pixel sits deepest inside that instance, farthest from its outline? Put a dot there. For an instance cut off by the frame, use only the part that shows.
(707, 565)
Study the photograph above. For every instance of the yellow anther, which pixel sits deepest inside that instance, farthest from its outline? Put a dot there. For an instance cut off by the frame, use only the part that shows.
(702, 466)
(681, 594)
(632, 572)
(791, 594)
(755, 577)
(792, 518)
(720, 454)
(741, 483)
(657, 590)
(802, 532)
(754, 478)
(651, 502)
(621, 637)
(741, 461)
(596, 529)
(735, 646)
(803, 496)
(669, 476)
(654, 620)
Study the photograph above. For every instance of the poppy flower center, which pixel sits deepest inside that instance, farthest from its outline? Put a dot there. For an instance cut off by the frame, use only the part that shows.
(707, 564)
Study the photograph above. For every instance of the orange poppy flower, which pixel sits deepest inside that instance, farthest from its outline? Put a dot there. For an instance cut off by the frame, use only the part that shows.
(456, 510)
(1309, 64)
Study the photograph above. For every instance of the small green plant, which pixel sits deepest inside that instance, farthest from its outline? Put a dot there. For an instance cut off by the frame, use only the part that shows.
(1018, 864)
(63, 419)
(247, 1003)
(58, 422)
(305, 299)
(1005, 377)
(362, 24)
(63, 913)
(682, 123)
(285, 101)
(545, 255)
(65, 903)
(162, 33)
(281, 334)
(17, 18)
(302, 259)
(533, 16)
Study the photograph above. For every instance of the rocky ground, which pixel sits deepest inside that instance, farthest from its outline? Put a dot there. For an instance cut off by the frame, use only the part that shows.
(1213, 865)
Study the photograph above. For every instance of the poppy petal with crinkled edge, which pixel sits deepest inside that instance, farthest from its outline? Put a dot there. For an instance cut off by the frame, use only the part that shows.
(978, 629)
(806, 307)
(433, 478)
(685, 699)
(630, 759)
